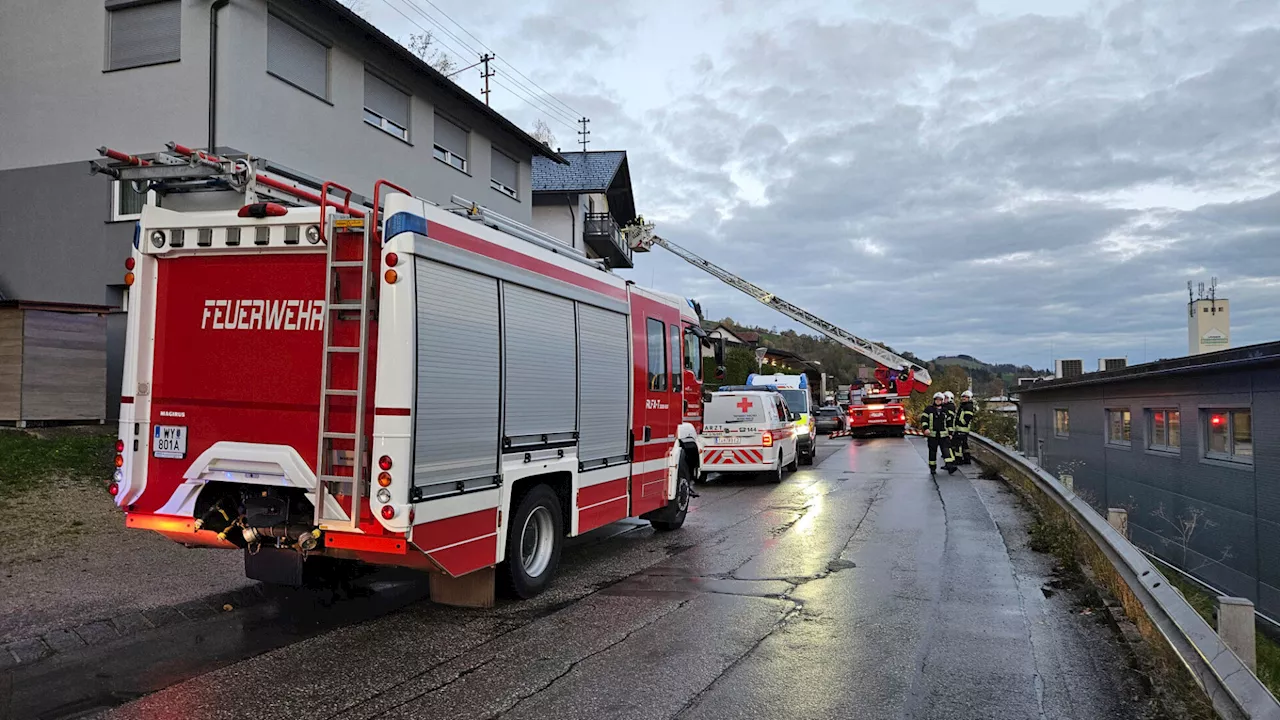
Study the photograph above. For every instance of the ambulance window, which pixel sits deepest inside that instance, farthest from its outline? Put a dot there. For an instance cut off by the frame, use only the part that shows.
(677, 374)
(782, 410)
(657, 355)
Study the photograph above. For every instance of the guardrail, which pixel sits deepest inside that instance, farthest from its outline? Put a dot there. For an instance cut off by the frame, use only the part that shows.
(1232, 689)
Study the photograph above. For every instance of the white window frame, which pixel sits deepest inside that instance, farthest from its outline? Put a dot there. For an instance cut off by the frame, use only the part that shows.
(454, 161)
(500, 187)
(1164, 447)
(372, 117)
(1120, 441)
(116, 215)
(1230, 456)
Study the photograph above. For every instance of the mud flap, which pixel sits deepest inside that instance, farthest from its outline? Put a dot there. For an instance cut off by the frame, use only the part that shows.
(275, 566)
(475, 589)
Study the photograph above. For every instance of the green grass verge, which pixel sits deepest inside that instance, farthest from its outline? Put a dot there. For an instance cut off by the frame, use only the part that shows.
(28, 460)
(1206, 605)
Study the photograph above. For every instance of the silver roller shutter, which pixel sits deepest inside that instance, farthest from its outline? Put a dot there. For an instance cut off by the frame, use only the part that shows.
(144, 34)
(602, 381)
(457, 404)
(540, 351)
(386, 100)
(297, 57)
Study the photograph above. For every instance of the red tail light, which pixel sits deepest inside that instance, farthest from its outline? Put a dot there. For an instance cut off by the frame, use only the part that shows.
(114, 489)
(388, 512)
(128, 263)
(767, 439)
(119, 446)
(384, 462)
(392, 259)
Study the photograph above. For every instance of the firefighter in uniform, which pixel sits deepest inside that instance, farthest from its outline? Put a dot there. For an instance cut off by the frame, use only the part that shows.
(964, 421)
(934, 424)
(949, 445)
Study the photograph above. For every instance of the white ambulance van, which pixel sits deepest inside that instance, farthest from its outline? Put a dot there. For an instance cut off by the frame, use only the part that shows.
(795, 390)
(749, 429)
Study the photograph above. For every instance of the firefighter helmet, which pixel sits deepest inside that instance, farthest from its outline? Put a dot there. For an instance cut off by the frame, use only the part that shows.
(967, 395)
(939, 396)
(949, 395)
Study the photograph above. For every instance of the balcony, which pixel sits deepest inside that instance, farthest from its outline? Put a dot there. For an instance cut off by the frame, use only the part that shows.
(604, 238)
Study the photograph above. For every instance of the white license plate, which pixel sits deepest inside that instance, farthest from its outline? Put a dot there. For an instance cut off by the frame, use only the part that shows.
(877, 415)
(169, 441)
(728, 441)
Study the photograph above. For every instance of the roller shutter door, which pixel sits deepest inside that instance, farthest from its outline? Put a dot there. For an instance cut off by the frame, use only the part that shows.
(541, 373)
(603, 377)
(456, 433)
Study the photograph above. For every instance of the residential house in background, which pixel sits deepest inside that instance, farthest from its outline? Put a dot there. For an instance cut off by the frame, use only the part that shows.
(308, 84)
(586, 202)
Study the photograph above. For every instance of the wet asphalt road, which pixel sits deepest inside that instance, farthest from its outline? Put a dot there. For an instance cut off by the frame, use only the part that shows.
(859, 588)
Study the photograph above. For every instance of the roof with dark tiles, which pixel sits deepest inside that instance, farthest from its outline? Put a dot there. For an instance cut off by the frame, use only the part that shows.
(592, 171)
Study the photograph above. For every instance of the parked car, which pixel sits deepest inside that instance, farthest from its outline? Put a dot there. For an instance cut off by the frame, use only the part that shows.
(830, 419)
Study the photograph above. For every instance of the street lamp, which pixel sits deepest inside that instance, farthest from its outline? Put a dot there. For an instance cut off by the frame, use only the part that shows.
(760, 353)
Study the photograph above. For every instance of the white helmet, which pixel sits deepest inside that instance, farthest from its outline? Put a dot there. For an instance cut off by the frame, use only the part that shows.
(939, 396)
(949, 395)
(967, 395)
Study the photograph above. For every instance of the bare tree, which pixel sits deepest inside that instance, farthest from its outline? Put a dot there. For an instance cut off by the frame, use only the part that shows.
(1185, 527)
(542, 133)
(423, 45)
(359, 7)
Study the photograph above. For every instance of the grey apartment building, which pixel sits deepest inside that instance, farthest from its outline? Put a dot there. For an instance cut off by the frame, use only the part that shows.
(1190, 446)
(305, 83)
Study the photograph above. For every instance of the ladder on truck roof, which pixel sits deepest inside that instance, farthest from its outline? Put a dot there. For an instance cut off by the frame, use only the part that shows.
(641, 237)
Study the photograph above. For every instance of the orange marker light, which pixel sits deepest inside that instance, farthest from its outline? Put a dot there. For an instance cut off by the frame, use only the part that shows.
(391, 276)
(128, 278)
(384, 479)
(119, 461)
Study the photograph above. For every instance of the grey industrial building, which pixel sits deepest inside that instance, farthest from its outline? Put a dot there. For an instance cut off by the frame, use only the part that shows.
(1190, 446)
(306, 83)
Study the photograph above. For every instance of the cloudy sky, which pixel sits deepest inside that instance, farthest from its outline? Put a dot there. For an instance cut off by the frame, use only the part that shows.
(1012, 179)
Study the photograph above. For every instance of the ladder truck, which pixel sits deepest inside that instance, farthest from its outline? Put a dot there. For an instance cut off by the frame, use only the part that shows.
(896, 377)
(311, 376)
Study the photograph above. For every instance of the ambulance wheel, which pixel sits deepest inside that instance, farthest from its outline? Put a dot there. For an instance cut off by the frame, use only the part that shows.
(673, 515)
(775, 475)
(533, 543)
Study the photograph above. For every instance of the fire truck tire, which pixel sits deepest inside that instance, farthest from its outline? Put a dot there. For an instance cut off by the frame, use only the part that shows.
(533, 543)
(672, 516)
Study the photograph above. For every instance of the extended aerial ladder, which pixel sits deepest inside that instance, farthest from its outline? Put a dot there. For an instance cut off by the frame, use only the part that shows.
(897, 372)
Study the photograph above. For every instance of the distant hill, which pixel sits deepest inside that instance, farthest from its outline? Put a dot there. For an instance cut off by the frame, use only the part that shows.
(988, 379)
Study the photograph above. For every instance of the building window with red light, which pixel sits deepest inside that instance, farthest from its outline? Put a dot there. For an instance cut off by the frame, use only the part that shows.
(1061, 423)
(1229, 435)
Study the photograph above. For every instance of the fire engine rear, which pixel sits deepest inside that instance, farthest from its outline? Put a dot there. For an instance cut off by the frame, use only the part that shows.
(310, 373)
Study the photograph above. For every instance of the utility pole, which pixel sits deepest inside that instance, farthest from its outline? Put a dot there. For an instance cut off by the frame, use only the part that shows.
(584, 132)
(486, 74)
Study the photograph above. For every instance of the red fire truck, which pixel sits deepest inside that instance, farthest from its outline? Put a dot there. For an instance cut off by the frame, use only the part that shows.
(308, 373)
(879, 410)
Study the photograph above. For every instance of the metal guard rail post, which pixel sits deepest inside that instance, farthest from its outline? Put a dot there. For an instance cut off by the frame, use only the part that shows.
(1231, 687)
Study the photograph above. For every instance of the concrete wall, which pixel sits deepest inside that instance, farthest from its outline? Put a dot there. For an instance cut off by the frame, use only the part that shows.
(56, 244)
(59, 104)
(1236, 543)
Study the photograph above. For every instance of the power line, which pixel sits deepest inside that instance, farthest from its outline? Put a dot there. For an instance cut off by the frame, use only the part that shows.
(572, 112)
(419, 26)
(418, 9)
(548, 108)
(555, 118)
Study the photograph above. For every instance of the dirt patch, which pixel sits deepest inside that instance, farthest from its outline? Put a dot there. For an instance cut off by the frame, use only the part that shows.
(65, 555)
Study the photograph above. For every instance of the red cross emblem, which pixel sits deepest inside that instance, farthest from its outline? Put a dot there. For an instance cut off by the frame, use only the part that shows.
(745, 404)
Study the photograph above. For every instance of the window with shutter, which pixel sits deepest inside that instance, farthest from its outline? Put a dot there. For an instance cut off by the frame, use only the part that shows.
(451, 143)
(297, 58)
(139, 35)
(504, 173)
(385, 107)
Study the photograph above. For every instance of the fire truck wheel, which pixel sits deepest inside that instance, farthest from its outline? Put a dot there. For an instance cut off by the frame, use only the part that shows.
(673, 515)
(533, 542)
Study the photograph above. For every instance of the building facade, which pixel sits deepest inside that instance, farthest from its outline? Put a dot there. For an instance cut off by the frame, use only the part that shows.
(306, 83)
(586, 202)
(1191, 447)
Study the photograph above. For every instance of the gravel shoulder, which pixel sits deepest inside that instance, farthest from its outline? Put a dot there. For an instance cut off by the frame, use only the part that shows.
(66, 558)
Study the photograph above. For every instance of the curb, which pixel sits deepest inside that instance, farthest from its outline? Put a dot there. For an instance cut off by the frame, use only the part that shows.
(26, 651)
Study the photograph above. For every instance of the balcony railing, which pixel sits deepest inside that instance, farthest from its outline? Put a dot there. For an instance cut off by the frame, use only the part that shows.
(604, 236)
